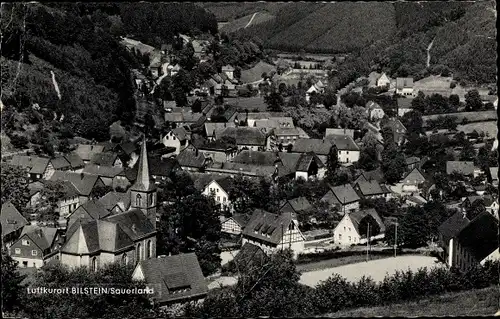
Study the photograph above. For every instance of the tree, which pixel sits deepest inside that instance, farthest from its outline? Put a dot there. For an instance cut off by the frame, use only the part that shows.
(196, 106)
(100, 191)
(192, 224)
(50, 195)
(12, 290)
(413, 122)
(454, 100)
(274, 102)
(473, 101)
(420, 103)
(332, 163)
(468, 152)
(393, 164)
(19, 141)
(14, 185)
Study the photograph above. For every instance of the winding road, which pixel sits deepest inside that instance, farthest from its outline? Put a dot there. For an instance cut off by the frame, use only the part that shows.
(429, 53)
(250, 22)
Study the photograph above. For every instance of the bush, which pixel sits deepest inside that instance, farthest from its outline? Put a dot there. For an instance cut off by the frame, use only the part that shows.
(19, 141)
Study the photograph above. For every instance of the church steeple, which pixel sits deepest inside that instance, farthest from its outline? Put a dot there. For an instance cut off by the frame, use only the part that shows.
(143, 192)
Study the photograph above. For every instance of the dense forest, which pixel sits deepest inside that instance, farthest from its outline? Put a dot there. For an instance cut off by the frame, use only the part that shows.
(389, 36)
(64, 72)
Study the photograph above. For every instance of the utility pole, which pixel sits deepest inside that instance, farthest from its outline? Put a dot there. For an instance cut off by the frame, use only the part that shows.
(367, 241)
(396, 239)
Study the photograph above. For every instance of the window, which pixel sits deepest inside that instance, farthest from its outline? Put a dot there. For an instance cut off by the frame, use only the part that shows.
(218, 198)
(349, 228)
(138, 200)
(216, 190)
(347, 152)
(94, 264)
(344, 228)
(18, 251)
(349, 238)
(224, 199)
(149, 250)
(26, 242)
(138, 253)
(173, 137)
(340, 236)
(25, 264)
(34, 253)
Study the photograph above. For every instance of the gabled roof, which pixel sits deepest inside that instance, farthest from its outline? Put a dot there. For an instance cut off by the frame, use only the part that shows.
(94, 208)
(494, 173)
(217, 127)
(369, 188)
(43, 237)
(111, 199)
(134, 223)
(318, 146)
(415, 175)
(343, 142)
(175, 272)
(395, 124)
(11, 219)
(74, 160)
(357, 216)
(376, 175)
(404, 83)
(35, 164)
(68, 188)
(60, 162)
(343, 194)
(451, 227)
(104, 171)
(84, 183)
(87, 151)
(190, 157)
(297, 204)
(412, 160)
(256, 158)
(181, 133)
(305, 160)
(104, 159)
(202, 180)
(480, 236)
(289, 160)
(339, 131)
(245, 135)
(143, 179)
(266, 226)
(255, 170)
(461, 167)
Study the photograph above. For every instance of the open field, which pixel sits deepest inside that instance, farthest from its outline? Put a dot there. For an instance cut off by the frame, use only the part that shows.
(482, 302)
(246, 21)
(376, 269)
(481, 116)
(486, 127)
(337, 262)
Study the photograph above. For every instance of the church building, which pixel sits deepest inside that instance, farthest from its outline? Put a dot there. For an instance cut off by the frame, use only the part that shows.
(126, 237)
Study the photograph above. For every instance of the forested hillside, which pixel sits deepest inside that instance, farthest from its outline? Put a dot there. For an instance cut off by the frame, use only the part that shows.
(390, 36)
(79, 43)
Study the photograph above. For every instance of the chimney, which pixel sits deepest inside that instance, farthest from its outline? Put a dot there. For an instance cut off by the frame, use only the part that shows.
(91, 147)
(82, 175)
(197, 152)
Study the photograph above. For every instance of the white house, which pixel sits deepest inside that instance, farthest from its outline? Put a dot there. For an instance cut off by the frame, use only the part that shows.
(219, 190)
(272, 232)
(404, 86)
(348, 151)
(317, 88)
(354, 228)
(178, 138)
(233, 224)
(375, 111)
(228, 71)
(383, 80)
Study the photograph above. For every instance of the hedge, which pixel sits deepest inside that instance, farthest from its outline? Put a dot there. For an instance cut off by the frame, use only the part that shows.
(337, 253)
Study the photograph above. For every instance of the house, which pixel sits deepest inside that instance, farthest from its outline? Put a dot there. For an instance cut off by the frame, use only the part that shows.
(285, 136)
(83, 183)
(128, 153)
(37, 167)
(246, 170)
(34, 245)
(404, 106)
(460, 167)
(343, 197)
(372, 189)
(191, 159)
(69, 162)
(413, 162)
(494, 176)
(320, 147)
(69, 201)
(234, 224)
(383, 80)
(224, 114)
(247, 137)
(309, 166)
(106, 159)
(228, 70)
(176, 279)
(412, 182)
(86, 152)
(317, 88)
(375, 111)
(185, 118)
(413, 201)
(296, 206)
(252, 117)
(339, 131)
(491, 205)
(348, 151)
(106, 173)
(376, 175)
(219, 190)
(273, 232)
(177, 138)
(376, 79)
(98, 237)
(404, 86)
(200, 48)
(115, 202)
(356, 228)
(212, 130)
(12, 222)
(468, 241)
(218, 151)
(398, 129)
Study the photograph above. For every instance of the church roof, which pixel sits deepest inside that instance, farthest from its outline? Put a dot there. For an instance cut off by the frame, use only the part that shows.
(143, 182)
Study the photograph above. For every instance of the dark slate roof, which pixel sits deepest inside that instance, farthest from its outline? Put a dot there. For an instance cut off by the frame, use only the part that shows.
(60, 162)
(305, 161)
(105, 171)
(104, 159)
(246, 135)
(94, 208)
(480, 236)
(451, 227)
(161, 167)
(318, 146)
(343, 142)
(128, 147)
(86, 152)
(289, 160)
(357, 216)
(43, 237)
(415, 174)
(250, 255)
(68, 188)
(264, 223)
(74, 160)
(404, 83)
(84, 183)
(135, 224)
(241, 219)
(11, 219)
(35, 164)
(175, 272)
(256, 158)
(94, 236)
(345, 194)
(298, 204)
(188, 158)
(412, 160)
(111, 199)
(465, 168)
(369, 188)
(181, 133)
